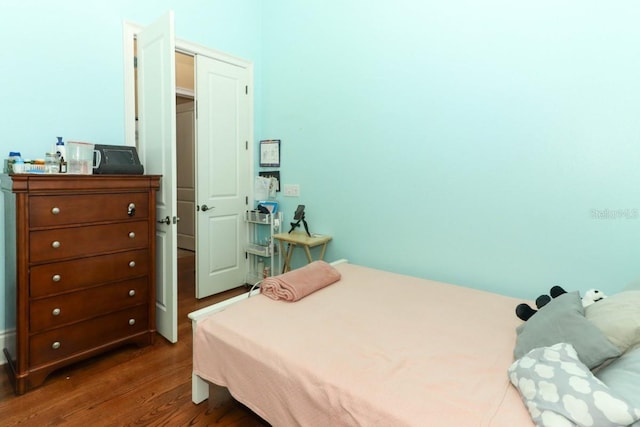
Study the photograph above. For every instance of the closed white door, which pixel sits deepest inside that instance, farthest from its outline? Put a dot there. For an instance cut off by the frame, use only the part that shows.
(223, 163)
(157, 149)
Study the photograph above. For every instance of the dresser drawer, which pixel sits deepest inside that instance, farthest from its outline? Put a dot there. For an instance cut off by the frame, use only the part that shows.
(50, 245)
(63, 309)
(55, 278)
(63, 342)
(47, 211)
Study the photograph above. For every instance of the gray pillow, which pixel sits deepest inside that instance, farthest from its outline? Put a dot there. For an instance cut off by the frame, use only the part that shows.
(562, 320)
(559, 390)
(623, 376)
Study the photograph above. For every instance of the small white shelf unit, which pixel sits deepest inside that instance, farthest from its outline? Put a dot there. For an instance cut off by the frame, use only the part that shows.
(262, 253)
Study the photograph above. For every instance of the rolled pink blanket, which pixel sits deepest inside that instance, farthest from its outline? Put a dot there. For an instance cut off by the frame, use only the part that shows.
(297, 284)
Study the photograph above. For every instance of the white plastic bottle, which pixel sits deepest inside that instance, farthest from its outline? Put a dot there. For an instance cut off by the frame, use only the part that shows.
(14, 158)
(60, 148)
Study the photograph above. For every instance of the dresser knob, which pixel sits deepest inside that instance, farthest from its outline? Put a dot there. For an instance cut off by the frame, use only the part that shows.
(55, 345)
(55, 210)
(55, 244)
(132, 235)
(132, 293)
(132, 322)
(56, 312)
(131, 209)
(132, 264)
(56, 278)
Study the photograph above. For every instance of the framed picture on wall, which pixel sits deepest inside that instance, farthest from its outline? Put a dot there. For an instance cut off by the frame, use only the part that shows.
(270, 153)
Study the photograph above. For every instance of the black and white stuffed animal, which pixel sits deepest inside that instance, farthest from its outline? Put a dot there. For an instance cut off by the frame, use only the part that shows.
(524, 311)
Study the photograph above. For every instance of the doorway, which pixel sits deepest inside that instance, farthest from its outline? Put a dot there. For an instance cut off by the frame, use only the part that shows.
(186, 194)
(185, 151)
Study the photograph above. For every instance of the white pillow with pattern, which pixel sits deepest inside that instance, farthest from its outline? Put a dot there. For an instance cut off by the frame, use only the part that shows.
(559, 391)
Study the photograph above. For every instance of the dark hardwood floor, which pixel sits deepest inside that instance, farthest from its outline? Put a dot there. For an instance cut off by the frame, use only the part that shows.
(130, 386)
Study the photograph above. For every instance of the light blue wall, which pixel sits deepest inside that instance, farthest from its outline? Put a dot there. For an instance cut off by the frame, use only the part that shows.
(464, 141)
(61, 65)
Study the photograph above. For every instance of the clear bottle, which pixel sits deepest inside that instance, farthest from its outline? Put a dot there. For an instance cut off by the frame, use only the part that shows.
(51, 163)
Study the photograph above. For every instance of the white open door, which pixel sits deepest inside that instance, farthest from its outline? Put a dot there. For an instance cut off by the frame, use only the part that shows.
(157, 148)
(223, 164)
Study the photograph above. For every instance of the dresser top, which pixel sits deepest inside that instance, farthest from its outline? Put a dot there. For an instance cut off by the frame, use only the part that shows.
(43, 182)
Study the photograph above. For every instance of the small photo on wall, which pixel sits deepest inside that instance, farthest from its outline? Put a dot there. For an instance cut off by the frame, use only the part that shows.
(270, 153)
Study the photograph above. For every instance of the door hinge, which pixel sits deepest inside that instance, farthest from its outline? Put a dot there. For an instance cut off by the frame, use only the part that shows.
(246, 145)
(246, 255)
(196, 107)
(246, 200)
(246, 90)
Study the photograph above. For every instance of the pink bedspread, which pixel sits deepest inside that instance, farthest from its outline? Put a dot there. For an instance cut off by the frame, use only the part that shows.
(374, 349)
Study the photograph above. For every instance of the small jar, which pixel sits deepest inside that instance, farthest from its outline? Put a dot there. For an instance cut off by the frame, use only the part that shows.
(63, 165)
(51, 163)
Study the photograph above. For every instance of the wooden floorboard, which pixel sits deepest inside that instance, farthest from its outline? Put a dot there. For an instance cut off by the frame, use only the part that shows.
(129, 386)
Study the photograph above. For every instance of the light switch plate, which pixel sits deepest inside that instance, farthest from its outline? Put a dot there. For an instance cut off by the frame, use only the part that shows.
(291, 190)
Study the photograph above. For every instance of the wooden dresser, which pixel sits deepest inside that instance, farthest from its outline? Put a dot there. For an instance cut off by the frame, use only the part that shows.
(79, 267)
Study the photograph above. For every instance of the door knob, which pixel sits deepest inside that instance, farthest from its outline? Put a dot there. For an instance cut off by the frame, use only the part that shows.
(166, 220)
(204, 208)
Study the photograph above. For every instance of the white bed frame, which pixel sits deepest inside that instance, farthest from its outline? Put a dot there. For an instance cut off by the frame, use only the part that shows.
(199, 386)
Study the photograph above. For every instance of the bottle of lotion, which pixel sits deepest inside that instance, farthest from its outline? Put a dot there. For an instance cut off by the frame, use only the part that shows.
(60, 148)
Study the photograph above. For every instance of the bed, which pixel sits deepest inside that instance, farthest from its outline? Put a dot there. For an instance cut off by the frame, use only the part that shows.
(374, 348)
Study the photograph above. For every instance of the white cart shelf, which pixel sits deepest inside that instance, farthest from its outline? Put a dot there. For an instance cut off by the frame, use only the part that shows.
(261, 249)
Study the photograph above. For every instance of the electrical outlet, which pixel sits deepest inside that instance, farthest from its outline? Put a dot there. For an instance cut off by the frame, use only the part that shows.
(291, 190)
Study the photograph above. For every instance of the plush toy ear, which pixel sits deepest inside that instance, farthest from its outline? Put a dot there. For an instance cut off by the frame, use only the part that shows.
(542, 300)
(524, 312)
(556, 291)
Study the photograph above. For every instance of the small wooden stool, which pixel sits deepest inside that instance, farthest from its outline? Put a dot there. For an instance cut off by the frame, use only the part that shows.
(294, 239)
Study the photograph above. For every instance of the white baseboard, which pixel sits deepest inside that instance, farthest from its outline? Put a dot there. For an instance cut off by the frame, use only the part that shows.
(6, 338)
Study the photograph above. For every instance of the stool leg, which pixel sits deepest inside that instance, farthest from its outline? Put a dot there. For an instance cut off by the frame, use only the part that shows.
(287, 260)
(324, 248)
(308, 252)
(284, 254)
